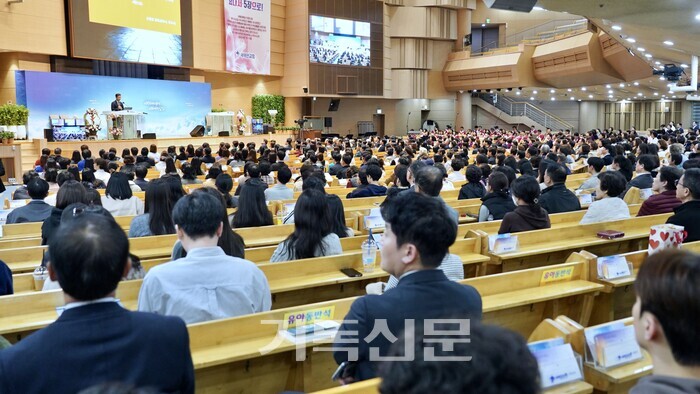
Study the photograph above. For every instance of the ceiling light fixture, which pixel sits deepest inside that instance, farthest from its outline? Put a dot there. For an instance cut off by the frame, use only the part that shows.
(616, 27)
(622, 85)
(572, 98)
(656, 94)
(568, 90)
(552, 91)
(583, 88)
(552, 99)
(608, 86)
(697, 17)
(631, 40)
(648, 55)
(636, 84)
(590, 96)
(639, 94)
(610, 91)
(684, 65)
(532, 98)
(669, 43)
(640, 49)
(517, 93)
(534, 92)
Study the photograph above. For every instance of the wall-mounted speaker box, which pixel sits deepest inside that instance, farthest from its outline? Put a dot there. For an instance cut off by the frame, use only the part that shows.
(512, 5)
(149, 136)
(333, 106)
(224, 133)
(198, 131)
(327, 121)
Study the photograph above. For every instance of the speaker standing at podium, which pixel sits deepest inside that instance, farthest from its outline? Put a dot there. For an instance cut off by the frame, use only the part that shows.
(117, 105)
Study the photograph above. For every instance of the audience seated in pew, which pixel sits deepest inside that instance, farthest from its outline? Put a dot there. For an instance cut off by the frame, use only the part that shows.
(369, 183)
(451, 265)
(664, 185)
(157, 219)
(36, 210)
(280, 191)
(313, 234)
(556, 198)
(644, 180)
(338, 223)
(482, 359)
(608, 206)
(473, 188)
(206, 284)
(688, 214)
(666, 321)
(224, 184)
(119, 199)
(6, 284)
(528, 214)
(143, 349)
(71, 192)
(429, 183)
(595, 166)
(497, 202)
(252, 210)
(417, 237)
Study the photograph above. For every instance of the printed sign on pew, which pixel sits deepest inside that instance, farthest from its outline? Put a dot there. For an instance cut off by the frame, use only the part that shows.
(557, 275)
(613, 267)
(557, 362)
(503, 243)
(309, 325)
(611, 345)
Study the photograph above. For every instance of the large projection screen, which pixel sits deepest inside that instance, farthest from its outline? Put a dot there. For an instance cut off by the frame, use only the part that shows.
(139, 31)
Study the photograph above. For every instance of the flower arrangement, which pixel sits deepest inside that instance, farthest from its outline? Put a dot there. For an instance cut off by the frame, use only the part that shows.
(242, 126)
(93, 122)
(116, 132)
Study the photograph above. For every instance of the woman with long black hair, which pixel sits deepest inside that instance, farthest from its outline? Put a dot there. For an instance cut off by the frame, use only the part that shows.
(157, 219)
(252, 210)
(528, 214)
(312, 236)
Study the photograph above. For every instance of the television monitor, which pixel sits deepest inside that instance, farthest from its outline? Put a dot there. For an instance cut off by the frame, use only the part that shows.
(339, 41)
(146, 31)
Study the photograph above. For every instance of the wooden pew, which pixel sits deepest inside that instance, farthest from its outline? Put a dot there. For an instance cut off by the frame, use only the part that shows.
(227, 357)
(553, 246)
(551, 329)
(617, 297)
(364, 387)
(614, 380)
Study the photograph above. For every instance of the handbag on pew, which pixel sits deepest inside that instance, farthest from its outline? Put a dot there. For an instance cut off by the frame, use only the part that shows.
(666, 236)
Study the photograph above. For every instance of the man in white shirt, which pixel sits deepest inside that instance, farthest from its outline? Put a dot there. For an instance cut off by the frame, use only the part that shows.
(207, 284)
(102, 172)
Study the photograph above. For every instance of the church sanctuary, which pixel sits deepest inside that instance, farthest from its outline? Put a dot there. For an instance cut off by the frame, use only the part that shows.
(349, 196)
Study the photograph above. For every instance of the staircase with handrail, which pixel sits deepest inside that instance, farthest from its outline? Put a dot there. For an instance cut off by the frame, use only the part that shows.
(514, 109)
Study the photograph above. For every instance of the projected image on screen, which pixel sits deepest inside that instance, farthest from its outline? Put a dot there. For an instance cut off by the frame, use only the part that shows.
(339, 41)
(143, 31)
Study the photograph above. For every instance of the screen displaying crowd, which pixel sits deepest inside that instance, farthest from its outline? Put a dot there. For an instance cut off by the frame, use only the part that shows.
(339, 41)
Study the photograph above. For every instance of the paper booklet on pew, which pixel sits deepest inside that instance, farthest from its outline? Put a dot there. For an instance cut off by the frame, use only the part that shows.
(644, 194)
(611, 345)
(374, 220)
(613, 267)
(585, 199)
(557, 362)
(503, 243)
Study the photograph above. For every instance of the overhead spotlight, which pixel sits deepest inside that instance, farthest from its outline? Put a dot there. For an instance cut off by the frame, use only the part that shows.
(697, 17)
(508, 89)
(669, 43)
(608, 86)
(483, 25)
(684, 65)
(639, 94)
(610, 91)
(631, 40)
(552, 90)
(461, 91)
(656, 94)
(532, 98)
(590, 96)
(568, 90)
(647, 55)
(616, 27)
(583, 88)
(534, 92)
(572, 98)
(657, 63)
(640, 49)
(517, 93)
(636, 84)
(622, 85)
(553, 99)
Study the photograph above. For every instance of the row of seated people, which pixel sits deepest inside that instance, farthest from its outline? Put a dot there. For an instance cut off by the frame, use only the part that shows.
(418, 234)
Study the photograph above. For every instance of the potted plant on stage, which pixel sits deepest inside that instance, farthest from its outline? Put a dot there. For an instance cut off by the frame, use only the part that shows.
(22, 120)
(242, 127)
(4, 135)
(5, 118)
(116, 133)
(93, 123)
(13, 118)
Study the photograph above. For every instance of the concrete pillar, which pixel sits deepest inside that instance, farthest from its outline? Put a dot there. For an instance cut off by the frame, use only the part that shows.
(463, 111)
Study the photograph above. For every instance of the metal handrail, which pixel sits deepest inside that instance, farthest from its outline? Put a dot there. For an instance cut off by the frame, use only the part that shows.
(547, 26)
(528, 110)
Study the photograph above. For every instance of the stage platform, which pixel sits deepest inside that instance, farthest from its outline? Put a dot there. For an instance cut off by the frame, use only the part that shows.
(30, 150)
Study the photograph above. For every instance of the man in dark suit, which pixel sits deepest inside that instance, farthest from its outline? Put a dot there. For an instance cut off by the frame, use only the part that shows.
(37, 210)
(117, 104)
(417, 237)
(95, 340)
(556, 198)
(644, 179)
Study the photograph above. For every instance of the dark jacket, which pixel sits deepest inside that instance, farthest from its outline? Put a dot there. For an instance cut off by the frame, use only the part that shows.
(367, 191)
(688, 216)
(643, 181)
(2, 173)
(276, 166)
(525, 168)
(524, 218)
(498, 204)
(426, 294)
(142, 183)
(607, 159)
(557, 199)
(35, 211)
(50, 225)
(6, 285)
(334, 168)
(660, 384)
(99, 343)
(471, 190)
(660, 203)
